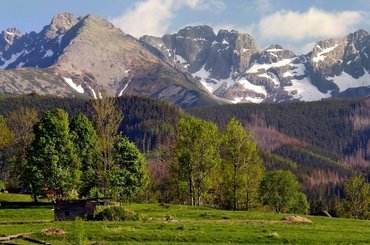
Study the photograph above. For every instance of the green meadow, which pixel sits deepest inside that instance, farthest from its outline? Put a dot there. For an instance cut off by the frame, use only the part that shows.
(187, 225)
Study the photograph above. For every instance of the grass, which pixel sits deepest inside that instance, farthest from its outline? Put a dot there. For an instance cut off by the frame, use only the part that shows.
(9, 197)
(191, 225)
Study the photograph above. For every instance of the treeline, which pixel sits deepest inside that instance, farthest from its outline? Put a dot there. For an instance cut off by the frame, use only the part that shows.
(330, 137)
(58, 158)
(326, 124)
(147, 122)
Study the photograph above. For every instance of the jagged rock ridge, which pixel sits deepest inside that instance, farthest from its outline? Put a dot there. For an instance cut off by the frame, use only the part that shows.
(195, 66)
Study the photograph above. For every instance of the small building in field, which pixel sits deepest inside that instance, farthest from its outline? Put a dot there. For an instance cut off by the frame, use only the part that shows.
(71, 209)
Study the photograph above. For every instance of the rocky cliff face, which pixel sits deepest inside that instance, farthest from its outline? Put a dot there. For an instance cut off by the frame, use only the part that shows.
(195, 66)
(230, 65)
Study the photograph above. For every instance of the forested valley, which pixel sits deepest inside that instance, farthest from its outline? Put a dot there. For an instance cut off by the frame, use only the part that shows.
(232, 160)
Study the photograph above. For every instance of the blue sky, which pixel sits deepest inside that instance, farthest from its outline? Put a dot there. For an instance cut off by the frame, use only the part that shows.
(296, 24)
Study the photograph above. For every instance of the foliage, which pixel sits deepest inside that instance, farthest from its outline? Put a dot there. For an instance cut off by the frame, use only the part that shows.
(85, 140)
(280, 190)
(357, 198)
(2, 185)
(116, 214)
(107, 120)
(21, 122)
(6, 135)
(52, 163)
(197, 152)
(242, 166)
(128, 177)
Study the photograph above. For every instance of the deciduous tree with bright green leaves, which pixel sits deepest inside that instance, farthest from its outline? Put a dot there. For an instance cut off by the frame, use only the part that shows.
(52, 163)
(129, 176)
(197, 154)
(357, 198)
(107, 119)
(281, 190)
(6, 135)
(242, 168)
(85, 140)
(21, 122)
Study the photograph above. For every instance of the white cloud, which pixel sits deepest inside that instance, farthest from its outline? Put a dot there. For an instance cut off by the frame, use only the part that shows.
(314, 23)
(153, 17)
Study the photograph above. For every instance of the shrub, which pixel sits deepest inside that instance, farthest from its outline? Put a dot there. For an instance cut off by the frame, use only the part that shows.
(2, 185)
(116, 214)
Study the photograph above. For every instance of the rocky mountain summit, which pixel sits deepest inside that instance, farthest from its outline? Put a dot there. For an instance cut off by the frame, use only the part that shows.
(230, 65)
(88, 56)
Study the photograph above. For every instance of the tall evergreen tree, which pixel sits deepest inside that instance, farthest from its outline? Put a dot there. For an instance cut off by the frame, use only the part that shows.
(242, 166)
(52, 162)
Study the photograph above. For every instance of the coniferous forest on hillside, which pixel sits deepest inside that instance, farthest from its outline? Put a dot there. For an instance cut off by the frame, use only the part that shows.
(325, 145)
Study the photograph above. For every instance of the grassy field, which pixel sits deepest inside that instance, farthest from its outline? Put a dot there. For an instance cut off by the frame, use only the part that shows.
(190, 225)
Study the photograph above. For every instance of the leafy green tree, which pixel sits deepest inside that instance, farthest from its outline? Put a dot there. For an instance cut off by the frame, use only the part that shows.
(129, 176)
(85, 141)
(107, 119)
(280, 190)
(21, 122)
(52, 162)
(197, 154)
(357, 198)
(6, 135)
(241, 164)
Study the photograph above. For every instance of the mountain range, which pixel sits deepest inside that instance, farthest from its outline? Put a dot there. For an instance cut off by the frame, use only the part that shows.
(87, 56)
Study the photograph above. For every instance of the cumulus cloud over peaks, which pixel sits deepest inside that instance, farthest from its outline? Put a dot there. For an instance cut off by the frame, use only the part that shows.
(153, 17)
(314, 23)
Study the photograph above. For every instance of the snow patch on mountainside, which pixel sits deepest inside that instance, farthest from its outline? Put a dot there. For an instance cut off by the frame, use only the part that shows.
(345, 81)
(304, 90)
(93, 92)
(124, 88)
(256, 67)
(320, 56)
(182, 61)
(250, 86)
(78, 88)
(256, 100)
(48, 53)
(13, 58)
(210, 84)
(298, 70)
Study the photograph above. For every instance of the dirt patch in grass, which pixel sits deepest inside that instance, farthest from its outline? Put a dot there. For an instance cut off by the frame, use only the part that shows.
(52, 232)
(297, 219)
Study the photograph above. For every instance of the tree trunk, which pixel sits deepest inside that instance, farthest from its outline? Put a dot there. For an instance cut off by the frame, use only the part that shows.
(191, 190)
(235, 189)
